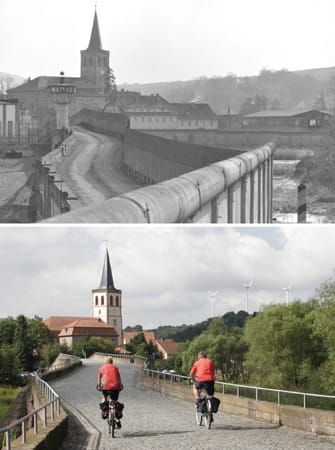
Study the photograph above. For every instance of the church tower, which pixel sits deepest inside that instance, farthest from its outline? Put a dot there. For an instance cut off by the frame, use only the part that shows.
(107, 300)
(94, 60)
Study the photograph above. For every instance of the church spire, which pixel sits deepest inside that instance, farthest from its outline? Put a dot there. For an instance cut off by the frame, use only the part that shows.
(107, 277)
(95, 40)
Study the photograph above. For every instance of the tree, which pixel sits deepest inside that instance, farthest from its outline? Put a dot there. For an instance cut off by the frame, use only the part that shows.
(110, 88)
(9, 366)
(22, 344)
(283, 352)
(225, 347)
(7, 331)
(6, 82)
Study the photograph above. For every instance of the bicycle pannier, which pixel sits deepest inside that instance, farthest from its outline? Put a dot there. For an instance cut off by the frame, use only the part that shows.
(201, 405)
(215, 402)
(118, 410)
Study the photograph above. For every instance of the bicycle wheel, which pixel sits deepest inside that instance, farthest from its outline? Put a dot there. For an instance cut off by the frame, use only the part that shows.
(198, 417)
(111, 423)
(208, 415)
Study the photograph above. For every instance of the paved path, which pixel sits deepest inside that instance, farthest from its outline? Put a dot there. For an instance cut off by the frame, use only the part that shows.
(92, 168)
(153, 421)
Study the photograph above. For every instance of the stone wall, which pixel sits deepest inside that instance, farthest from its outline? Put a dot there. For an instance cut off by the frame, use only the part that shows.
(304, 419)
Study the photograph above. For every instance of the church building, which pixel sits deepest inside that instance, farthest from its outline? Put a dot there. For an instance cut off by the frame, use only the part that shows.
(106, 317)
(35, 95)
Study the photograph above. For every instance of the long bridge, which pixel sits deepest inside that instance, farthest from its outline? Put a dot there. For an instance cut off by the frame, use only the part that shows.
(152, 420)
(183, 183)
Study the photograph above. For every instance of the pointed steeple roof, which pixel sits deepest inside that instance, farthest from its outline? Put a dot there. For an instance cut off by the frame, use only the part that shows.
(95, 40)
(107, 277)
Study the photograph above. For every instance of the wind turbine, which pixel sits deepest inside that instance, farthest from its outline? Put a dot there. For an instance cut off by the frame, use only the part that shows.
(247, 287)
(288, 292)
(212, 298)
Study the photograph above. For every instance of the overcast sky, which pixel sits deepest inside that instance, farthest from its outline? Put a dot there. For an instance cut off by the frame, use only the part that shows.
(152, 40)
(165, 273)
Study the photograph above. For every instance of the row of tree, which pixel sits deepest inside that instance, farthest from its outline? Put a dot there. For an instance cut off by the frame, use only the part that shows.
(282, 347)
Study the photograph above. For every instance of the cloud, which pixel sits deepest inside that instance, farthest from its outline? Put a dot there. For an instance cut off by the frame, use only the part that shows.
(165, 272)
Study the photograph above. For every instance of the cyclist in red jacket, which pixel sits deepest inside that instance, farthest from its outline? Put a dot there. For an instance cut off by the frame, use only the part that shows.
(202, 374)
(109, 382)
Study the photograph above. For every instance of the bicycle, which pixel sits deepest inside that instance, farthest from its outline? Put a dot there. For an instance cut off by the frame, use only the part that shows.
(114, 413)
(111, 419)
(204, 409)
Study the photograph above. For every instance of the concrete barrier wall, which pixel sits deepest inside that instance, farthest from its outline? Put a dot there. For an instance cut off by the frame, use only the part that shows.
(152, 159)
(212, 194)
(308, 419)
(246, 138)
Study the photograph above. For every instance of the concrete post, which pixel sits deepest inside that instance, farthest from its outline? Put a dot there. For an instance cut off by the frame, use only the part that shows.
(302, 203)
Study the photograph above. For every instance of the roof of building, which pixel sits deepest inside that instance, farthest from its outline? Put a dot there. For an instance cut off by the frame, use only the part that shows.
(56, 323)
(90, 326)
(43, 82)
(129, 335)
(169, 346)
(95, 40)
(283, 113)
(193, 109)
(128, 99)
(107, 281)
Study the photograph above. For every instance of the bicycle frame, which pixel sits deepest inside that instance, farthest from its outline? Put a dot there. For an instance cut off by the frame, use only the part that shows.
(111, 416)
(206, 414)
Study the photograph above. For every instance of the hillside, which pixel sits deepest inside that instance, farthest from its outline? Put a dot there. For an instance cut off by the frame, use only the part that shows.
(272, 89)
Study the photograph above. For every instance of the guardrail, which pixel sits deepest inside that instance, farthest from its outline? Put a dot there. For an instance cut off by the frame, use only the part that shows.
(175, 378)
(34, 419)
(235, 190)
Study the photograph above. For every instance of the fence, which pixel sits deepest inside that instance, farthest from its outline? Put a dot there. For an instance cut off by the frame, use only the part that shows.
(34, 419)
(242, 390)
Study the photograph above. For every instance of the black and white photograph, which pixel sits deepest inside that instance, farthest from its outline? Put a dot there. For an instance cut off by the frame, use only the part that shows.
(182, 112)
(167, 224)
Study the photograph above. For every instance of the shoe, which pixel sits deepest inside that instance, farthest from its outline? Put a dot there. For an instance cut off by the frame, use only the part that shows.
(118, 424)
(104, 415)
(212, 419)
(103, 405)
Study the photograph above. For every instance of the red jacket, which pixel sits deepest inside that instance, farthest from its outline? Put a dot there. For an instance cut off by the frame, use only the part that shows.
(203, 369)
(111, 377)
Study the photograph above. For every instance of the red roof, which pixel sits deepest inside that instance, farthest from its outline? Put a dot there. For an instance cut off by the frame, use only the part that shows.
(56, 323)
(90, 326)
(129, 335)
(169, 346)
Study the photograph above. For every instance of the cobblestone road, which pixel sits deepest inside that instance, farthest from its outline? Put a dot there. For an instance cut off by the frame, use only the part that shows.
(153, 421)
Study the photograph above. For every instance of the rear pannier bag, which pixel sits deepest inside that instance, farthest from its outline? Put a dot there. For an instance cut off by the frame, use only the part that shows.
(215, 403)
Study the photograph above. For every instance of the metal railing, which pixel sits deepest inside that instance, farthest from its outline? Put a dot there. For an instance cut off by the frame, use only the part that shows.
(34, 419)
(241, 388)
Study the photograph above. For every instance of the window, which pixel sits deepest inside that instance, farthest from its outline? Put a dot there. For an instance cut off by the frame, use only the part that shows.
(96, 300)
(114, 322)
(111, 300)
(312, 123)
(117, 301)
(102, 300)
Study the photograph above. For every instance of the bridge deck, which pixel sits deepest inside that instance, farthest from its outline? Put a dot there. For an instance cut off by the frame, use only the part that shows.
(152, 421)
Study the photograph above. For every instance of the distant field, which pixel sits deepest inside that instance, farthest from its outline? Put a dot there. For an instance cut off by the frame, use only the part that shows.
(7, 395)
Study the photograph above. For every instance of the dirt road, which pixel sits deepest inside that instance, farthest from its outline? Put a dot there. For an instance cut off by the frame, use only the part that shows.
(91, 168)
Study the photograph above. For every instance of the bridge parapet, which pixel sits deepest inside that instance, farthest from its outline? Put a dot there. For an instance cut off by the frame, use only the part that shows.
(46, 423)
(242, 403)
(236, 190)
